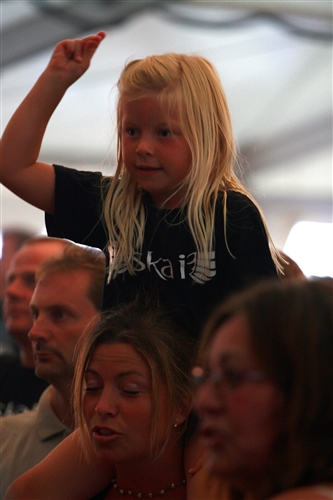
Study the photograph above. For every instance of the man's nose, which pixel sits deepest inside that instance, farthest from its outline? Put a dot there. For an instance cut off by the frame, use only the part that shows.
(40, 329)
(14, 289)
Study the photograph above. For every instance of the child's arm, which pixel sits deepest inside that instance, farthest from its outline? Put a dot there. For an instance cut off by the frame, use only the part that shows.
(20, 171)
(64, 473)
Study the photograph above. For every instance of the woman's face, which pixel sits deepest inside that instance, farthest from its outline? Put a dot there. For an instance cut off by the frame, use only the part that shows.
(117, 403)
(241, 409)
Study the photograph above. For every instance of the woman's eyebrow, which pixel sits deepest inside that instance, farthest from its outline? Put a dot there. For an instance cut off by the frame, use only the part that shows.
(129, 372)
(231, 355)
(90, 370)
(119, 375)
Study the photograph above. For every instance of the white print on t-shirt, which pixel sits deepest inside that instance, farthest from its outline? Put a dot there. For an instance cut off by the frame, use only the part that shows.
(193, 265)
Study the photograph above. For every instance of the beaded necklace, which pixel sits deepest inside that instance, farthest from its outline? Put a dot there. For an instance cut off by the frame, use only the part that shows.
(146, 495)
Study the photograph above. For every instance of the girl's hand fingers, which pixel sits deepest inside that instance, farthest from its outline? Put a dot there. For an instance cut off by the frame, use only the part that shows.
(84, 48)
(72, 57)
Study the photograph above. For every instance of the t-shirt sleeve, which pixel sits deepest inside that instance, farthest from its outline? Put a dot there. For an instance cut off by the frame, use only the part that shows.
(78, 207)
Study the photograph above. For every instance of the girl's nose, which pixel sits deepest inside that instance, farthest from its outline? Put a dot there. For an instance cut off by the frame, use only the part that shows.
(145, 145)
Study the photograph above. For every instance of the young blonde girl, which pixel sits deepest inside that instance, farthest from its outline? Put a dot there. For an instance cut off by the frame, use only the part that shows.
(175, 221)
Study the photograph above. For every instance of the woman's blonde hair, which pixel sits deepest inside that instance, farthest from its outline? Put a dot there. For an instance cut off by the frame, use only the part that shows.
(168, 352)
(191, 86)
(290, 324)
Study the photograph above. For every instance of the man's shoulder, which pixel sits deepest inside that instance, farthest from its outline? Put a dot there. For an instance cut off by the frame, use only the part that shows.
(18, 421)
(16, 429)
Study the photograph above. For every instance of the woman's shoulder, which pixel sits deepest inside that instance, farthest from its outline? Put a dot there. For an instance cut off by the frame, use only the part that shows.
(316, 492)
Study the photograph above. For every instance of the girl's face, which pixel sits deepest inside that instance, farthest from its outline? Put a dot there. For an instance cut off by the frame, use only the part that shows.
(154, 150)
(117, 404)
(241, 409)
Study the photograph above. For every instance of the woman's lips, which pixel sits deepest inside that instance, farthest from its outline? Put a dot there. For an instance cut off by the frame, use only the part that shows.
(104, 435)
(213, 437)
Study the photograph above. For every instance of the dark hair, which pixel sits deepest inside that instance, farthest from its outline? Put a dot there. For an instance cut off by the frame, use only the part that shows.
(291, 330)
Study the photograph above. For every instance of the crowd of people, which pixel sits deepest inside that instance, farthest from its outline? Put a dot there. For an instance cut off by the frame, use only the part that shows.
(169, 351)
(20, 389)
(66, 300)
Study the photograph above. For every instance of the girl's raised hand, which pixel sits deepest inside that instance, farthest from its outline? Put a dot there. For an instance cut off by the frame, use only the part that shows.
(71, 58)
(21, 172)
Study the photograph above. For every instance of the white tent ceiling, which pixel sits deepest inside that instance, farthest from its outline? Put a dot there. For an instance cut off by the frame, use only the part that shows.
(275, 62)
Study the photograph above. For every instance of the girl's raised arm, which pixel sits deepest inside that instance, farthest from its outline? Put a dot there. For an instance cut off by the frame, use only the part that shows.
(64, 473)
(20, 171)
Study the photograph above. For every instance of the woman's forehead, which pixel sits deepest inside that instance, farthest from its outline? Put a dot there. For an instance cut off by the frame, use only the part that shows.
(117, 354)
(231, 340)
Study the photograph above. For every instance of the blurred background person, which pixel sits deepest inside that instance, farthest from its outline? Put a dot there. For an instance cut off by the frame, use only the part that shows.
(265, 393)
(66, 301)
(20, 389)
(12, 240)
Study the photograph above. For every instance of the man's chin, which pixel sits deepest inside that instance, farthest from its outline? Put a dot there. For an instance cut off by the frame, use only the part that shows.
(42, 371)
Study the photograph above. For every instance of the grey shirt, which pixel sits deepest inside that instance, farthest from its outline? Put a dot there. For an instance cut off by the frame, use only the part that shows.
(26, 438)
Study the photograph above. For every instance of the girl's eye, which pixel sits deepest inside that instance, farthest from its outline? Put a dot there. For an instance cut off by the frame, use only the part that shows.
(165, 132)
(131, 131)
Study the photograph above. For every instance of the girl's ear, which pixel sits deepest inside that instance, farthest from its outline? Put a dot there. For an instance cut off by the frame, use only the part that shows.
(183, 412)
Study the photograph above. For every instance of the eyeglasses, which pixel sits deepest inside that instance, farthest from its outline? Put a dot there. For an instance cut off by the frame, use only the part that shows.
(227, 378)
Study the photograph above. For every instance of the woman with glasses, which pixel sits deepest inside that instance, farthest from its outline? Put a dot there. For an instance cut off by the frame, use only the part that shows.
(265, 392)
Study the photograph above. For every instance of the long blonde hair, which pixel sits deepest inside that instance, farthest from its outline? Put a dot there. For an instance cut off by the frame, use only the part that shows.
(191, 86)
